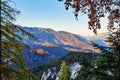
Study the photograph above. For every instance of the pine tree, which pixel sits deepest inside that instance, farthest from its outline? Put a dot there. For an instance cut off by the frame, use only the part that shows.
(11, 45)
(64, 74)
(106, 66)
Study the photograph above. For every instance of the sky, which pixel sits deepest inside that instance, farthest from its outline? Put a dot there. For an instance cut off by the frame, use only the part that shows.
(52, 14)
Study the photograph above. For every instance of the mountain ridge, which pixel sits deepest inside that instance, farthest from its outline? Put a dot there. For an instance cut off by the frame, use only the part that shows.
(51, 44)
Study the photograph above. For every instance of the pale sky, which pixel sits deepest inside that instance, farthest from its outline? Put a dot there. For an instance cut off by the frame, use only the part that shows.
(52, 14)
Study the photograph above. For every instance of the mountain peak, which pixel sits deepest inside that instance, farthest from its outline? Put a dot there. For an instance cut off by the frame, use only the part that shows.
(52, 44)
(60, 38)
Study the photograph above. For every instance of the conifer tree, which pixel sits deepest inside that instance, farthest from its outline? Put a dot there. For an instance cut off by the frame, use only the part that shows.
(106, 66)
(11, 45)
(64, 74)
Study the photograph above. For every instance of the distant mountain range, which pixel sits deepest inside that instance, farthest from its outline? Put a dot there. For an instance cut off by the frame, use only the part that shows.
(100, 39)
(50, 44)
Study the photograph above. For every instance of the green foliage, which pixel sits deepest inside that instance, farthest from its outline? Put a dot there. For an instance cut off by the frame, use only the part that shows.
(106, 66)
(64, 74)
(69, 58)
(11, 45)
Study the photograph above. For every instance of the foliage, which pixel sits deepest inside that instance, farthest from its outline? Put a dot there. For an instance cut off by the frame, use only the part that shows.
(96, 10)
(106, 66)
(11, 45)
(64, 74)
(69, 59)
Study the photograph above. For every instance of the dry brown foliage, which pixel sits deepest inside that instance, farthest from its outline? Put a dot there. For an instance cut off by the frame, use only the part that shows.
(95, 10)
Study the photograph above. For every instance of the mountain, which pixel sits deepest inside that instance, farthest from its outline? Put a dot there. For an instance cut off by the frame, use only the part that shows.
(101, 36)
(50, 44)
(48, 37)
(99, 39)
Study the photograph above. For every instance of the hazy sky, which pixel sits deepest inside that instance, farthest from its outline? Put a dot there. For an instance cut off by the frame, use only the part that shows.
(52, 14)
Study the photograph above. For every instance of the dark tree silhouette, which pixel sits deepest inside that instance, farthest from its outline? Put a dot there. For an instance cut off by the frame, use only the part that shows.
(106, 66)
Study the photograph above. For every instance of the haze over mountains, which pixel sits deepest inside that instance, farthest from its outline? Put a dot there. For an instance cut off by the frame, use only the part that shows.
(100, 39)
(51, 44)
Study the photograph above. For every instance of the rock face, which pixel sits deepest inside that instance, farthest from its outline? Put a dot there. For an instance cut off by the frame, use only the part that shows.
(51, 70)
(50, 44)
(52, 74)
(74, 68)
